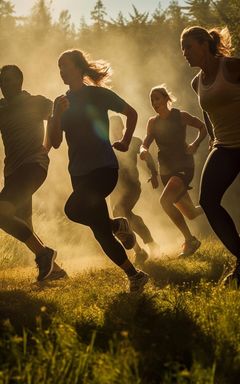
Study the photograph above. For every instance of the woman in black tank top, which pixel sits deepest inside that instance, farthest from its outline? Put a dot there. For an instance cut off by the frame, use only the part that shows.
(175, 156)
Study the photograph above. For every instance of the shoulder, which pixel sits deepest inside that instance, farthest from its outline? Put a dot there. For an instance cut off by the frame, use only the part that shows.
(232, 64)
(150, 123)
(2, 102)
(194, 82)
(41, 100)
(136, 141)
(185, 117)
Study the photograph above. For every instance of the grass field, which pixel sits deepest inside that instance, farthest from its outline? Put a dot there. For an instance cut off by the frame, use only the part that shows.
(184, 328)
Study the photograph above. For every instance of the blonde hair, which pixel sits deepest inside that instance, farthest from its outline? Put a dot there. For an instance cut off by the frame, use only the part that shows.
(164, 91)
(97, 72)
(219, 40)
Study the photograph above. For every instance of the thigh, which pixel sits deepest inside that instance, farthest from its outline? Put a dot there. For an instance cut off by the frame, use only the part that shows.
(100, 182)
(220, 170)
(174, 189)
(21, 185)
(24, 211)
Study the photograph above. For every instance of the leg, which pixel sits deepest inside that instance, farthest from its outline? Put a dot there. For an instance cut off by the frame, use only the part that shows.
(124, 206)
(18, 189)
(187, 208)
(87, 206)
(174, 188)
(220, 170)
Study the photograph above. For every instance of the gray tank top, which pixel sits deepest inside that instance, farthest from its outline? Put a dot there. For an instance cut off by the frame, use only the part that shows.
(170, 137)
(221, 100)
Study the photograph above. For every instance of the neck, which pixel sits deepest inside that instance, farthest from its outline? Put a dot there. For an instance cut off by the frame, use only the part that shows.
(76, 86)
(164, 112)
(12, 95)
(210, 66)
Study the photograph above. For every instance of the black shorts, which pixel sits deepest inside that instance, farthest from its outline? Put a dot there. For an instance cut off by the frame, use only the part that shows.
(21, 185)
(186, 175)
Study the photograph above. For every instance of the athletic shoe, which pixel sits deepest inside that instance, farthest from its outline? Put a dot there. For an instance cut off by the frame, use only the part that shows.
(234, 277)
(57, 275)
(140, 257)
(124, 233)
(190, 246)
(45, 261)
(137, 282)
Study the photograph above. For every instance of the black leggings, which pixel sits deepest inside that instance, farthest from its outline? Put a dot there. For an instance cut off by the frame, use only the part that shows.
(220, 170)
(87, 205)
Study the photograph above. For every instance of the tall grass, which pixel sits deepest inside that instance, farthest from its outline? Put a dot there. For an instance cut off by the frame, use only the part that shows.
(88, 329)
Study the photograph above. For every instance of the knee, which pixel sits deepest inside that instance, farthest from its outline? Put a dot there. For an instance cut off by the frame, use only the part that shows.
(119, 210)
(69, 210)
(7, 210)
(165, 202)
(208, 202)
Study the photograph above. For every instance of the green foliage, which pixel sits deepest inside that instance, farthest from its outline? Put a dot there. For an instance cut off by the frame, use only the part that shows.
(88, 329)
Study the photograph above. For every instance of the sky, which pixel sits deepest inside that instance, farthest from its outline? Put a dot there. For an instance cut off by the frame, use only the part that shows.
(82, 8)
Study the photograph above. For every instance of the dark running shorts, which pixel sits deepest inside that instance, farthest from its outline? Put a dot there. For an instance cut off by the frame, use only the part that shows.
(21, 185)
(186, 175)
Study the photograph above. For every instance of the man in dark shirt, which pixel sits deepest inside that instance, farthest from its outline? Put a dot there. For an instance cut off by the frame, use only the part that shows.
(25, 165)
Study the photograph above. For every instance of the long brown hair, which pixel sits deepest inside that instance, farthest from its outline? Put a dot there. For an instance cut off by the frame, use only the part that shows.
(97, 72)
(219, 40)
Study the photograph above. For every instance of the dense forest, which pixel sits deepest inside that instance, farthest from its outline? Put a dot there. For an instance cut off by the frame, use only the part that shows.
(143, 49)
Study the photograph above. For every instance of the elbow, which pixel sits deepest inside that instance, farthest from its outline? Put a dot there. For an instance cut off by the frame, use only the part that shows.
(132, 114)
(56, 145)
(56, 142)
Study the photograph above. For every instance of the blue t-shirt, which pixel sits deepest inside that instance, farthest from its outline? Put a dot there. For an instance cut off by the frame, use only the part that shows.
(86, 127)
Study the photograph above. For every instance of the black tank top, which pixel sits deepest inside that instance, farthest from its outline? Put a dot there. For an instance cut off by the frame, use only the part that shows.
(170, 137)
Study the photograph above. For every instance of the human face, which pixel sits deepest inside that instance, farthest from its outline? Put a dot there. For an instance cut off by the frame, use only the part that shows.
(193, 51)
(158, 100)
(69, 72)
(10, 84)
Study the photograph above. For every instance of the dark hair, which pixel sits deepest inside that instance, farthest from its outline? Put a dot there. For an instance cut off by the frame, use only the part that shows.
(14, 69)
(96, 72)
(219, 40)
(164, 91)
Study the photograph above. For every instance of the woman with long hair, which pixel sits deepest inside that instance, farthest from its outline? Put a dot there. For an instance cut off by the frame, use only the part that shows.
(218, 88)
(83, 115)
(175, 156)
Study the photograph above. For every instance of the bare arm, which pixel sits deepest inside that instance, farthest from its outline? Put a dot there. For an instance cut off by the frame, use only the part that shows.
(193, 121)
(145, 154)
(131, 122)
(55, 133)
(148, 139)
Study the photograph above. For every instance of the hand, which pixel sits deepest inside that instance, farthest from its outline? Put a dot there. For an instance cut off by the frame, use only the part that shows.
(210, 144)
(61, 105)
(143, 153)
(154, 181)
(121, 146)
(192, 148)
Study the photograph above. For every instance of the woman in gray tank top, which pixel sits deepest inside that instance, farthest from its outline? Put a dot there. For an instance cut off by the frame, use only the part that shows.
(175, 156)
(218, 88)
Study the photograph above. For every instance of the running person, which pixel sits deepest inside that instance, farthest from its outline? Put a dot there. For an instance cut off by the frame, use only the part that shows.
(218, 88)
(25, 165)
(83, 115)
(128, 190)
(175, 156)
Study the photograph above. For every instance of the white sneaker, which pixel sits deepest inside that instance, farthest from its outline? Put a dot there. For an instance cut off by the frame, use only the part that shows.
(137, 282)
(124, 233)
(190, 247)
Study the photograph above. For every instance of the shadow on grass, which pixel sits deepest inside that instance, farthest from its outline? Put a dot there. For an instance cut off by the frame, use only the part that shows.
(188, 271)
(167, 340)
(160, 337)
(22, 311)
